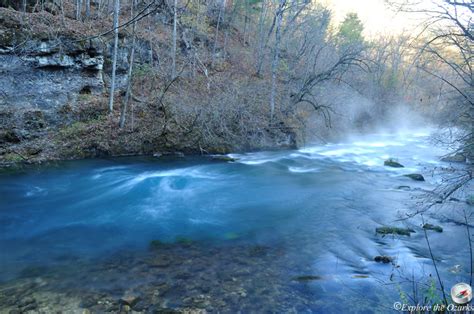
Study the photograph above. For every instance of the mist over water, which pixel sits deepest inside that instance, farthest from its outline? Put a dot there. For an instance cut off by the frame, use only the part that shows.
(315, 209)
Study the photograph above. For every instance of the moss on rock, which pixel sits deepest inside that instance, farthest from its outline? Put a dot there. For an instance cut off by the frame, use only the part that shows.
(433, 227)
(394, 230)
(306, 278)
(392, 163)
(224, 158)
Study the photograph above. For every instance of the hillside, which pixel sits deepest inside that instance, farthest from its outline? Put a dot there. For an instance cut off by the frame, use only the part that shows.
(55, 88)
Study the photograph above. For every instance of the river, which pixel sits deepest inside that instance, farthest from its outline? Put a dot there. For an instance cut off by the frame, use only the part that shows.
(286, 231)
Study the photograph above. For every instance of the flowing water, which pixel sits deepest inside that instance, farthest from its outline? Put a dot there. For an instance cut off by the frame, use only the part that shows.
(287, 231)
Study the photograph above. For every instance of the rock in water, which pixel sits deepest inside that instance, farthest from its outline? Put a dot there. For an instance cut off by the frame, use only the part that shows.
(394, 230)
(403, 187)
(432, 227)
(383, 259)
(306, 278)
(392, 163)
(415, 176)
(224, 158)
(157, 244)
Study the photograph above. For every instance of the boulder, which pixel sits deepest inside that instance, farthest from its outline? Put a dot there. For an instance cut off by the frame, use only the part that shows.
(224, 158)
(415, 176)
(403, 187)
(383, 259)
(392, 163)
(432, 227)
(394, 230)
(306, 278)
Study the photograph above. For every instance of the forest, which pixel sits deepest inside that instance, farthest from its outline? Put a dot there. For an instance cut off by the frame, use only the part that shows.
(198, 156)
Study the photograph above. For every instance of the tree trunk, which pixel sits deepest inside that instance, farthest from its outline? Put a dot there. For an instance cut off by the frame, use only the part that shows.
(78, 9)
(114, 60)
(276, 57)
(130, 70)
(261, 39)
(99, 8)
(63, 18)
(88, 8)
(221, 14)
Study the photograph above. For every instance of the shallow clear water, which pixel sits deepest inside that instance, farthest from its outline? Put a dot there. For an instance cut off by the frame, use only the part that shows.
(241, 233)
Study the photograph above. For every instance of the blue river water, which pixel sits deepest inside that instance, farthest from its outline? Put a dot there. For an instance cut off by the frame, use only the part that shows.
(286, 231)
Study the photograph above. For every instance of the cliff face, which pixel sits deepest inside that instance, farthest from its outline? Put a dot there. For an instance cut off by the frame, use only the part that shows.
(40, 75)
(53, 96)
(48, 74)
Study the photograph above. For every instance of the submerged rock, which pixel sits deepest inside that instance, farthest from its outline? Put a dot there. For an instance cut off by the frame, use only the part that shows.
(258, 250)
(306, 278)
(168, 154)
(28, 304)
(403, 187)
(383, 259)
(394, 230)
(33, 271)
(183, 240)
(392, 163)
(157, 244)
(432, 227)
(224, 158)
(160, 262)
(415, 176)
(231, 236)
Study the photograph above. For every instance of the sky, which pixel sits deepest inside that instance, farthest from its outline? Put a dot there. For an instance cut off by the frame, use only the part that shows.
(376, 16)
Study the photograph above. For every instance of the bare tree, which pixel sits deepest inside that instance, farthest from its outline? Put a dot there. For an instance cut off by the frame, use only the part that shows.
(78, 9)
(88, 8)
(450, 44)
(261, 37)
(115, 51)
(276, 55)
(219, 18)
(130, 69)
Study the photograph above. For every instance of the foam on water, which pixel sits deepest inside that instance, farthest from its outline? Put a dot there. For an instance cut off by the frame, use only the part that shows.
(304, 169)
(35, 191)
